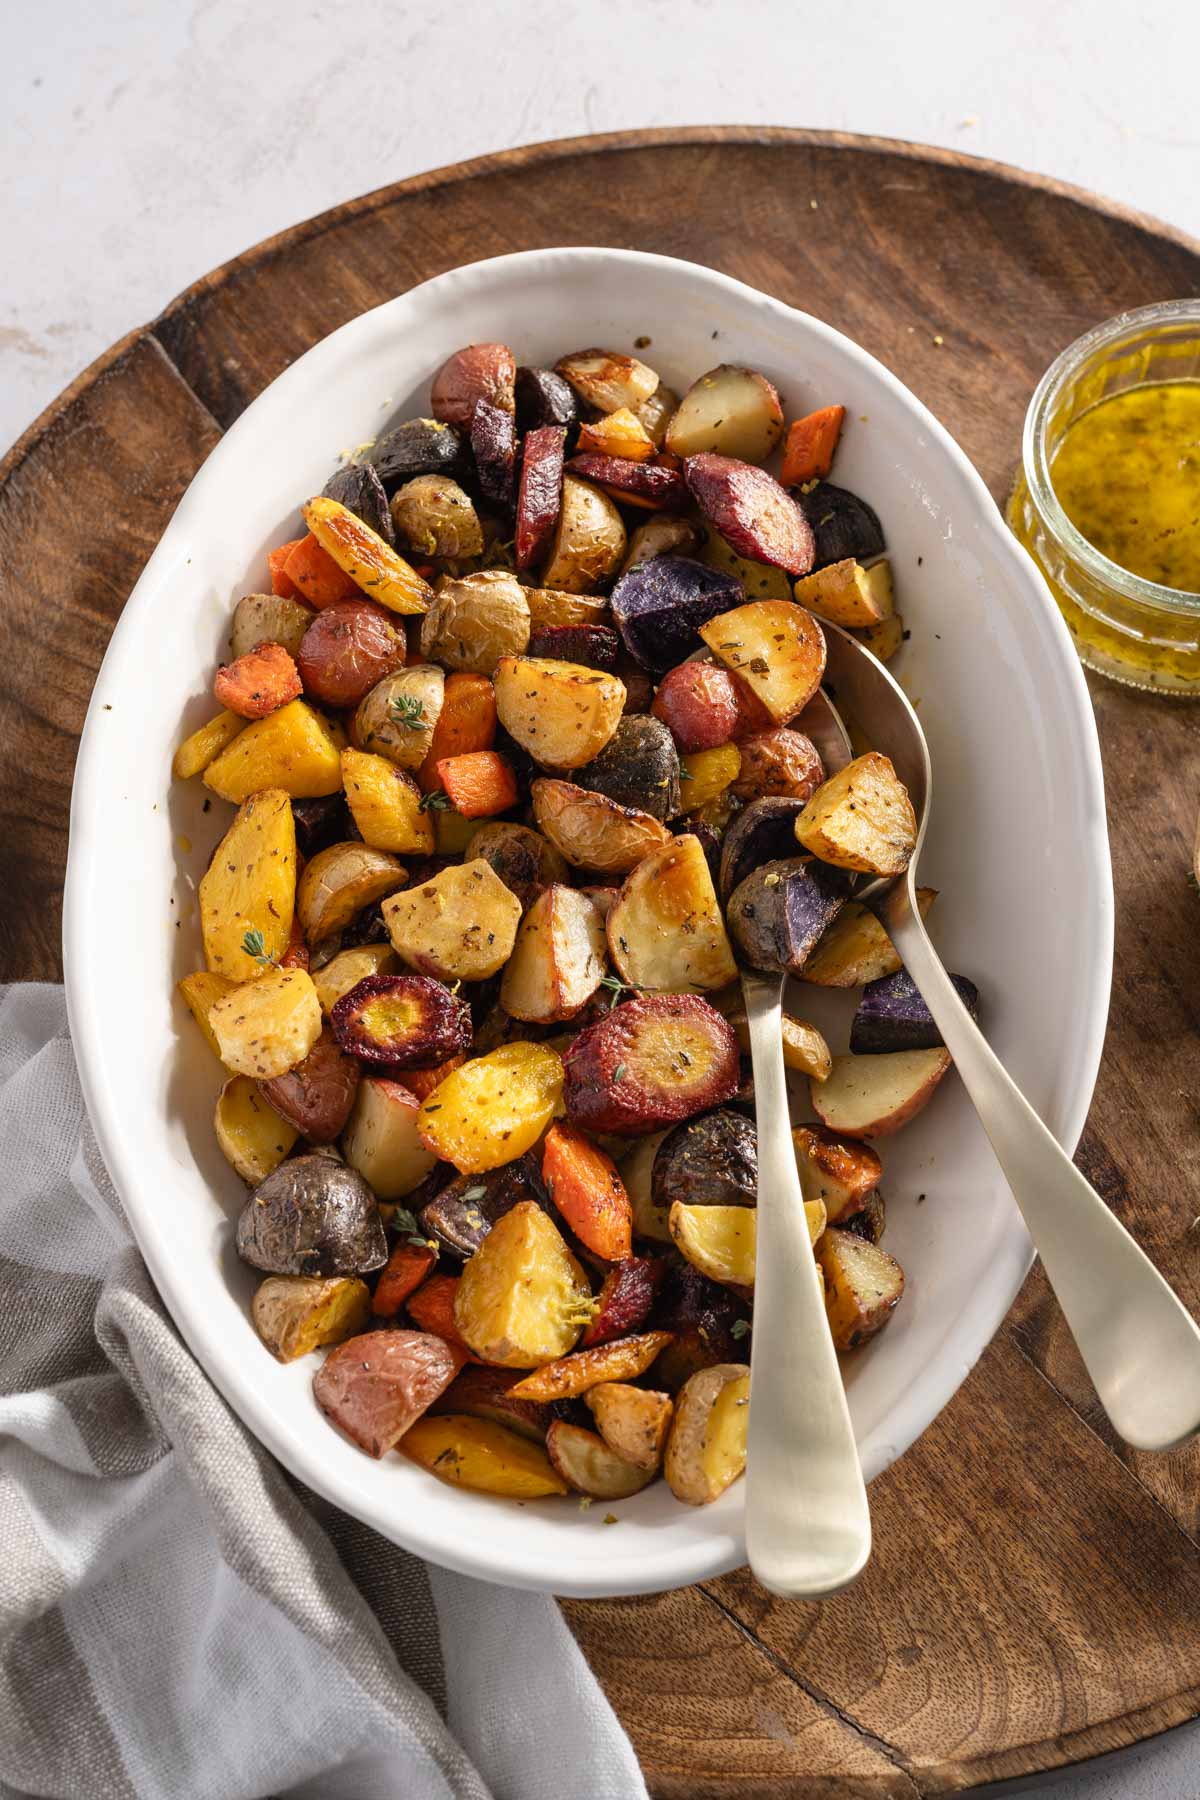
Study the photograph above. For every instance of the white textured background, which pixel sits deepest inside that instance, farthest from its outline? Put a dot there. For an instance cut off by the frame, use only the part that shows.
(142, 142)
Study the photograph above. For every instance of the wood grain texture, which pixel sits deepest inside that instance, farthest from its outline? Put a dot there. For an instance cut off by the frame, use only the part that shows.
(1035, 1595)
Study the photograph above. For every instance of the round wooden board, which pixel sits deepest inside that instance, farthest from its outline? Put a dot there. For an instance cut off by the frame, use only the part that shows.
(1034, 1597)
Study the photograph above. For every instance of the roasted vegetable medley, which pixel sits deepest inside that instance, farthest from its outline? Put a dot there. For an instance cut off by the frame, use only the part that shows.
(517, 746)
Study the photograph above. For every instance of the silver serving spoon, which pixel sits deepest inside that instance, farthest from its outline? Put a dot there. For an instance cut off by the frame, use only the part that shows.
(808, 1527)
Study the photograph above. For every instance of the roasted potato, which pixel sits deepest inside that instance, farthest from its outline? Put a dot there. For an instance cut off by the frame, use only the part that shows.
(312, 1216)
(558, 960)
(837, 1171)
(269, 619)
(494, 1108)
(371, 564)
(634, 1422)
(706, 1450)
(247, 896)
(708, 777)
(663, 535)
(348, 648)
(861, 818)
(460, 925)
(385, 803)
(730, 410)
(480, 372)
(476, 620)
(315, 1097)
(589, 1465)
(763, 832)
(755, 516)
(655, 411)
(382, 1140)
(294, 1314)
(619, 433)
(884, 640)
(649, 1063)
(591, 831)
(544, 398)
(773, 646)
(570, 1376)
(462, 1213)
(708, 1161)
(892, 1015)
(562, 713)
(265, 1027)
(698, 702)
(639, 766)
(477, 1453)
(417, 447)
(401, 1021)
(779, 763)
(778, 913)
(804, 1048)
(661, 605)
(358, 488)
(553, 606)
(376, 1386)
(345, 970)
(863, 1285)
(847, 594)
(760, 580)
(717, 1240)
(589, 539)
(666, 931)
(607, 379)
(523, 1298)
(842, 525)
(856, 948)
(526, 862)
(254, 1139)
(874, 1096)
(637, 1173)
(339, 882)
(294, 750)
(434, 517)
(200, 992)
(203, 746)
(397, 718)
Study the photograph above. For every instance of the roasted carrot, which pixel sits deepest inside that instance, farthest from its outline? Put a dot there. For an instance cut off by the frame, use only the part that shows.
(313, 573)
(432, 1309)
(406, 1269)
(466, 722)
(422, 1082)
(258, 683)
(811, 442)
(584, 1184)
(479, 785)
(281, 583)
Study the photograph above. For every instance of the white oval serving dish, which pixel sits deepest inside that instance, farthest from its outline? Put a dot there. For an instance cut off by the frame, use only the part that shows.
(1017, 844)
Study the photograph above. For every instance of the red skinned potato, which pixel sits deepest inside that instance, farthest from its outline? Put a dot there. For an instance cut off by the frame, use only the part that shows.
(587, 1464)
(775, 648)
(649, 485)
(539, 498)
(730, 410)
(258, 683)
(375, 1386)
(874, 1096)
(494, 448)
(348, 648)
(585, 1187)
(698, 702)
(839, 1172)
(393, 1021)
(756, 516)
(317, 1095)
(624, 1301)
(650, 1063)
(480, 372)
(780, 762)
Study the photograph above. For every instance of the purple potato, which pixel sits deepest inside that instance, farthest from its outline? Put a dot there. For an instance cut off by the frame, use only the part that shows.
(312, 1216)
(544, 398)
(842, 524)
(762, 832)
(358, 488)
(320, 823)
(660, 606)
(868, 1222)
(778, 914)
(639, 766)
(418, 447)
(463, 1213)
(708, 1161)
(892, 1015)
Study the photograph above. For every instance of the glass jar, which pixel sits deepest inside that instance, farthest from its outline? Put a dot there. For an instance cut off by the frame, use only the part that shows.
(1125, 627)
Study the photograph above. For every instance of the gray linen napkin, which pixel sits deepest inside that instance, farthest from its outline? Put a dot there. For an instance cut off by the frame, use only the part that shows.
(180, 1618)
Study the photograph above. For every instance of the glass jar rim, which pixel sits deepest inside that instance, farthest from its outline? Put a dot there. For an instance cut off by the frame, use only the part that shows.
(1101, 568)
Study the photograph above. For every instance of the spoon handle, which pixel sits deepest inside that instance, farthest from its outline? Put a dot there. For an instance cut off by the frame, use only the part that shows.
(808, 1528)
(1141, 1348)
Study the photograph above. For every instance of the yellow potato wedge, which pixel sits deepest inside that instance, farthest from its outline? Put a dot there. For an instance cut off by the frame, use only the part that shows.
(494, 1108)
(856, 948)
(706, 1450)
(861, 818)
(883, 640)
(385, 804)
(397, 718)
(452, 833)
(269, 619)
(708, 774)
(382, 1141)
(837, 1171)
(479, 1454)
(634, 1422)
(253, 1138)
(348, 968)
(762, 581)
(460, 925)
(847, 594)
(621, 1360)
(294, 1314)
(205, 745)
(563, 713)
(248, 893)
(863, 1285)
(201, 991)
(589, 540)
(776, 647)
(720, 1240)
(338, 882)
(637, 1169)
(666, 931)
(558, 960)
(381, 574)
(554, 606)
(522, 1299)
(874, 1096)
(265, 1027)
(294, 749)
(804, 1048)
(591, 831)
(590, 1466)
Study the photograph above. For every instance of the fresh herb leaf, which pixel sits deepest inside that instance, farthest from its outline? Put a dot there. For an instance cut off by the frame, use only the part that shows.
(405, 1221)
(254, 944)
(616, 988)
(438, 801)
(409, 711)
(619, 1072)
(685, 774)
(476, 1193)
(740, 1328)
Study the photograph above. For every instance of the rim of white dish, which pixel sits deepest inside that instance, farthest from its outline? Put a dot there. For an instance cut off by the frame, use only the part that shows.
(704, 1558)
